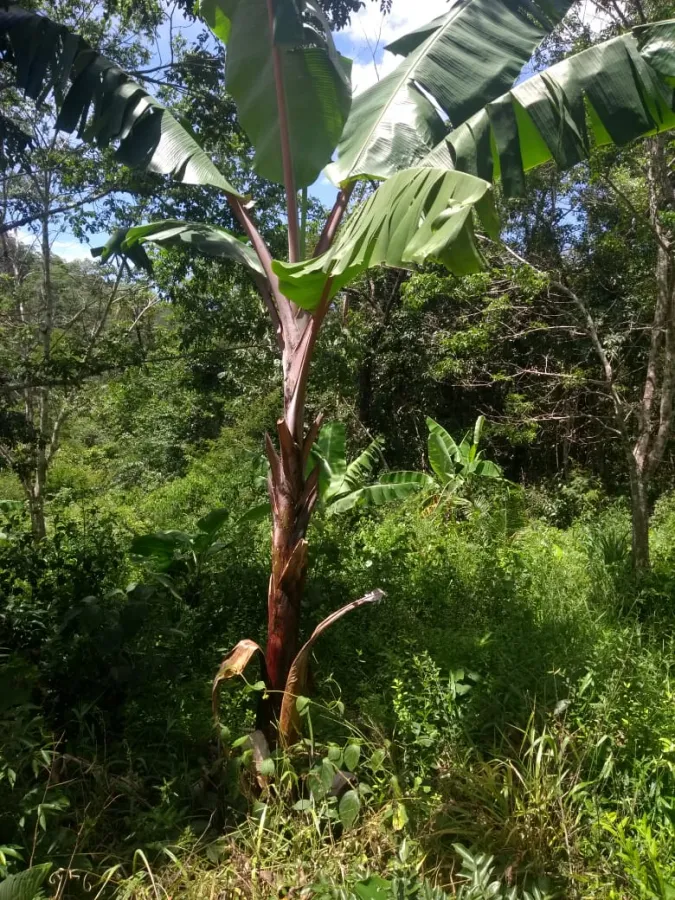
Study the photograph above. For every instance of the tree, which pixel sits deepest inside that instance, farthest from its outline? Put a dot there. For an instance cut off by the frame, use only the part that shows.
(610, 275)
(60, 325)
(293, 97)
(55, 320)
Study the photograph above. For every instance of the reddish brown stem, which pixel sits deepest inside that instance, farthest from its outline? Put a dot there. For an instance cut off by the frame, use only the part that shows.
(278, 306)
(289, 561)
(333, 221)
(300, 368)
(293, 498)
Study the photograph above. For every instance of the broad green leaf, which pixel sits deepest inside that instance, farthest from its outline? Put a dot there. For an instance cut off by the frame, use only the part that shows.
(288, 25)
(331, 446)
(217, 15)
(257, 513)
(362, 467)
(326, 774)
(488, 469)
(327, 480)
(160, 545)
(612, 93)
(103, 104)
(417, 215)
(356, 473)
(406, 477)
(24, 885)
(209, 240)
(352, 754)
(460, 60)
(657, 47)
(267, 767)
(335, 754)
(214, 521)
(288, 21)
(465, 455)
(444, 454)
(346, 502)
(390, 486)
(316, 83)
(348, 809)
(376, 760)
(478, 430)
(399, 817)
(373, 888)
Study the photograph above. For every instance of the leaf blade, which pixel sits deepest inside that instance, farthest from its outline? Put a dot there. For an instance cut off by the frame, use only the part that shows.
(104, 102)
(315, 84)
(622, 84)
(208, 240)
(411, 218)
(461, 59)
(24, 885)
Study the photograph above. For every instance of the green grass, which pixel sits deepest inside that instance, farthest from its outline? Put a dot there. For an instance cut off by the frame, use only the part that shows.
(511, 699)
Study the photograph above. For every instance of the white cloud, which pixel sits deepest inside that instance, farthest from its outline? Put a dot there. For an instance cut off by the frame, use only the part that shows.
(68, 248)
(364, 74)
(372, 28)
(369, 31)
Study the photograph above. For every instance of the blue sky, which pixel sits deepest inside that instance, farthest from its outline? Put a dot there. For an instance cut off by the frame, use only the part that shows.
(363, 42)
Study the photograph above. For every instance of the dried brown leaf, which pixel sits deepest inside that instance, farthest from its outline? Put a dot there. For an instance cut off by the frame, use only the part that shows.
(234, 664)
(296, 684)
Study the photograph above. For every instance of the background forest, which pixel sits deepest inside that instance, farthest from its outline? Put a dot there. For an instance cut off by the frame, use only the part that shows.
(502, 723)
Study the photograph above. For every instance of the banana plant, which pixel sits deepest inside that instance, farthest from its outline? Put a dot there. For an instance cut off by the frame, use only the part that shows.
(177, 553)
(340, 480)
(456, 468)
(433, 183)
(25, 885)
(345, 485)
(458, 465)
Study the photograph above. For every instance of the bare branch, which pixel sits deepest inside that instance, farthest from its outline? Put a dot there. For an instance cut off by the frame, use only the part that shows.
(55, 211)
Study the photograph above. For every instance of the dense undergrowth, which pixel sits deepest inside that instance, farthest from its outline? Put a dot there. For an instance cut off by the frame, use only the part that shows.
(506, 712)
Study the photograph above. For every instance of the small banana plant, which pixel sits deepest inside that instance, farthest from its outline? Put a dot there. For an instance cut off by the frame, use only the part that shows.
(346, 485)
(178, 553)
(457, 466)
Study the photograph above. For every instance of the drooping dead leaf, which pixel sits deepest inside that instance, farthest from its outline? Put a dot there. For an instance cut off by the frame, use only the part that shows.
(233, 665)
(296, 684)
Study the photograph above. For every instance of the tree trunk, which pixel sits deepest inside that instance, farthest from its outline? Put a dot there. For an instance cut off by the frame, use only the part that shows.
(36, 506)
(289, 563)
(292, 498)
(365, 402)
(639, 521)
